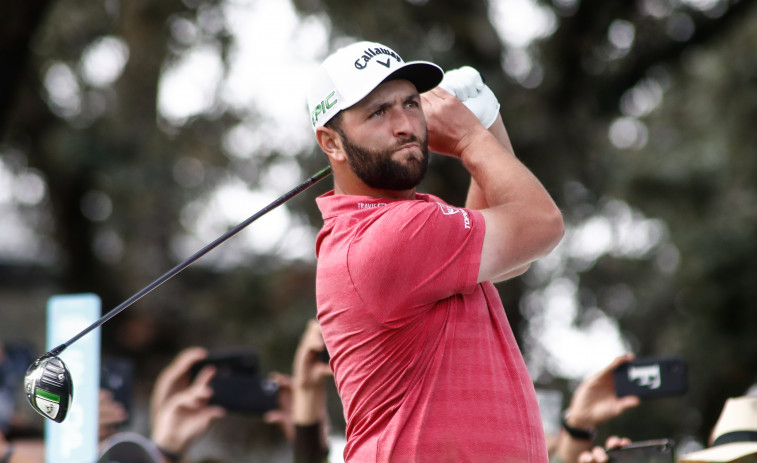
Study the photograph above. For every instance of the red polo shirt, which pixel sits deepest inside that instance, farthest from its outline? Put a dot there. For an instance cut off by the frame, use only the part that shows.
(424, 359)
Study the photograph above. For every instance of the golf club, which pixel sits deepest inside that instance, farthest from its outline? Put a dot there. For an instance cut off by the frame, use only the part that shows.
(48, 384)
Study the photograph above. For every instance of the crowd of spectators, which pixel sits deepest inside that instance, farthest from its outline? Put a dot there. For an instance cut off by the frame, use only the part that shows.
(180, 412)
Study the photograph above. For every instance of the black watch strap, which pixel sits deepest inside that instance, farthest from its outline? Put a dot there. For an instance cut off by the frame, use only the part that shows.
(577, 433)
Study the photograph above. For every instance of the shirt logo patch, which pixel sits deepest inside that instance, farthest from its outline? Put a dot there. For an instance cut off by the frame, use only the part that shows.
(449, 210)
(369, 205)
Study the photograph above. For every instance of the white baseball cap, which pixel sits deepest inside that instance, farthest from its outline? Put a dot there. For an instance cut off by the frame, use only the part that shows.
(352, 72)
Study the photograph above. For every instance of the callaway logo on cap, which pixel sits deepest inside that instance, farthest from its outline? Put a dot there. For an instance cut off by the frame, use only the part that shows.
(352, 72)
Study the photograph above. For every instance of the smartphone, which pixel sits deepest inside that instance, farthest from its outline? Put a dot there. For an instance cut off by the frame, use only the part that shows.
(117, 376)
(324, 356)
(251, 394)
(238, 385)
(652, 451)
(652, 377)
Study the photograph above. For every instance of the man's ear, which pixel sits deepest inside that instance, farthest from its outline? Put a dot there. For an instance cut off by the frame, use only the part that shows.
(331, 143)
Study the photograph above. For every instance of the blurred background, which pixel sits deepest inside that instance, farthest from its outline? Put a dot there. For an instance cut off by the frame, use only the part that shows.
(135, 132)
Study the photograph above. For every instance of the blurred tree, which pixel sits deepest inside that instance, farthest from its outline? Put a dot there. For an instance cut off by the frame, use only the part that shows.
(19, 23)
(635, 115)
(697, 171)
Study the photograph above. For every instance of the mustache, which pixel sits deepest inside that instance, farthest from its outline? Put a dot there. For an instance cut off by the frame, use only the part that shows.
(409, 139)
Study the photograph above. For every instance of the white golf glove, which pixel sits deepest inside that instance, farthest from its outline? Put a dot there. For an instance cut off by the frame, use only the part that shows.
(468, 86)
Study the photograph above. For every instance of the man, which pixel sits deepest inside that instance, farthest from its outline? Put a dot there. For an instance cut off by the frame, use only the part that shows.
(423, 357)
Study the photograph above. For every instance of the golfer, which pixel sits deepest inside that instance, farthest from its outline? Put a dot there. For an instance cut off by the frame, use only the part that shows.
(424, 359)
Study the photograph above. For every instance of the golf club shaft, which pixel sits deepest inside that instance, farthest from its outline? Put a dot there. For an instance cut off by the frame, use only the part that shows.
(171, 273)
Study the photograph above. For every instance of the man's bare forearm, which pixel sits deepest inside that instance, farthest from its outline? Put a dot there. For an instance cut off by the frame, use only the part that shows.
(523, 223)
(476, 198)
(498, 177)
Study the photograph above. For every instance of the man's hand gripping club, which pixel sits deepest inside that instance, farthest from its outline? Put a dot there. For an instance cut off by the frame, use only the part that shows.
(469, 87)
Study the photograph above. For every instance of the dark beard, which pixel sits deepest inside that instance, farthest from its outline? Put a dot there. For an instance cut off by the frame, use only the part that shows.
(378, 170)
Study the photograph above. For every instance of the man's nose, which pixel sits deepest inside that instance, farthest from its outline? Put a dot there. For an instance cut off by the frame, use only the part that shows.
(402, 123)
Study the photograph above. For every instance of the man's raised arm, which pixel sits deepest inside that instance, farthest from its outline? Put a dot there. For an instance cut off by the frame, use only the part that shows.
(523, 223)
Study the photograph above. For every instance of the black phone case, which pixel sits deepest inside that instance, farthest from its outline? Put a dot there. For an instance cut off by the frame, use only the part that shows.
(652, 377)
(245, 394)
(238, 385)
(117, 376)
(658, 451)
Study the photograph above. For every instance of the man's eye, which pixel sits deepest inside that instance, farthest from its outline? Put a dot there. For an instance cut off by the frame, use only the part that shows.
(412, 104)
(380, 112)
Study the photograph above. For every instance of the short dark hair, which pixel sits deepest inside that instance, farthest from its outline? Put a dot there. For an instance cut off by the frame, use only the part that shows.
(335, 123)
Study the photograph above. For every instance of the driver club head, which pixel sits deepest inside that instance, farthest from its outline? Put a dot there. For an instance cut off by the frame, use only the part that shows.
(49, 388)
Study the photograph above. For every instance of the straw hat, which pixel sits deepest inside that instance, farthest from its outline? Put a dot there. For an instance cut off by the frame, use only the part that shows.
(734, 435)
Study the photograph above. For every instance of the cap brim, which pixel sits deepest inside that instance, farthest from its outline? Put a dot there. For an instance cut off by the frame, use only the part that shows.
(423, 74)
(721, 453)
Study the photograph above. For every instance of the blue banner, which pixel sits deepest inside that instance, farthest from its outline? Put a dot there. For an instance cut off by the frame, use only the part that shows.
(75, 439)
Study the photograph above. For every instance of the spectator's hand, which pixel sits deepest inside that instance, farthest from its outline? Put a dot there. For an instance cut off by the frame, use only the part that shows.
(186, 415)
(309, 382)
(302, 398)
(24, 451)
(174, 378)
(308, 385)
(309, 371)
(595, 455)
(599, 454)
(595, 401)
(283, 415)
(111, 414)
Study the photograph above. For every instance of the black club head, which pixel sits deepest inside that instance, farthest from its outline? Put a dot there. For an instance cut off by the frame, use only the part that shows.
(49, 388)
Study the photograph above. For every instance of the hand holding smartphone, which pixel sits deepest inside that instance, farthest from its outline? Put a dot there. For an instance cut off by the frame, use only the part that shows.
(117, 376)
(238, 385)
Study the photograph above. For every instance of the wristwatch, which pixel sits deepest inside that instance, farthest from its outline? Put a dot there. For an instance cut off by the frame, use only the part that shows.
(577, 433)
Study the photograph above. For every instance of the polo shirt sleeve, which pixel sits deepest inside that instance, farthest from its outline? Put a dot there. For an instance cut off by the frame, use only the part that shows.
(413, 254)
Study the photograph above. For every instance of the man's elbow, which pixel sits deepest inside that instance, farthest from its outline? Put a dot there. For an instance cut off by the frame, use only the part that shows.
(553, 229)
(557, 228)
(512, 274)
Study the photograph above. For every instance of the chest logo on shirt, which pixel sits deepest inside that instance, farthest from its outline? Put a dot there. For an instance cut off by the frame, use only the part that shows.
(449, 210)
(369, 205)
